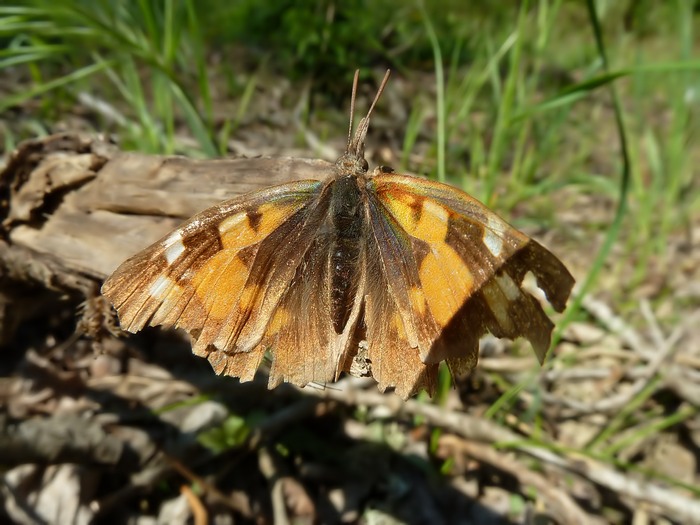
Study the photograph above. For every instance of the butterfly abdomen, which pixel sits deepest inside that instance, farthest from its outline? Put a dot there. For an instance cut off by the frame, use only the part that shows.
(346, 218)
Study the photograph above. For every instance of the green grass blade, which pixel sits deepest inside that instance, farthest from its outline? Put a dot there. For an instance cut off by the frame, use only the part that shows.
(79, 74)
(440, 95)
(505, 108)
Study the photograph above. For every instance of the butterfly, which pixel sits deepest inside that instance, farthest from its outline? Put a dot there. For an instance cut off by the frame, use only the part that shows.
(397, 271)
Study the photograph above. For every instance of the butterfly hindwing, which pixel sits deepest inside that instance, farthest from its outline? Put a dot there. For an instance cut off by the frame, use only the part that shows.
(309, 349)
(394, 318)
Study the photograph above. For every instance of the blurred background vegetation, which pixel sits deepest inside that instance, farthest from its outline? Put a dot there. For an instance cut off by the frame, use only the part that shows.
(582, 129)
(510, 100)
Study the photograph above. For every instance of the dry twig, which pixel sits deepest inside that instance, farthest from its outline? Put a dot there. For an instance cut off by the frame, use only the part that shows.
(562, 506)
(199, 512)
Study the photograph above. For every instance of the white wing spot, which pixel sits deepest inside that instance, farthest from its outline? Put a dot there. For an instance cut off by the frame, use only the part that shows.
(492, 239)
(159, 288)
(508, 287)
(493, 242)
(232, 221)
(437, 211)
(497, 305)
(173, 247)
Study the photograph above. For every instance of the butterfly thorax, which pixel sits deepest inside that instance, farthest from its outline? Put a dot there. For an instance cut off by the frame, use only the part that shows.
(347, 219)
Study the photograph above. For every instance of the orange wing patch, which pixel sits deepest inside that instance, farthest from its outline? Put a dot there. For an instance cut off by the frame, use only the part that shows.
(445, 278)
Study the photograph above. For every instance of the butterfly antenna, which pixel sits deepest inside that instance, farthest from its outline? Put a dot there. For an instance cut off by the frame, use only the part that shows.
(379, 93)
(352, 106)
(356, 144)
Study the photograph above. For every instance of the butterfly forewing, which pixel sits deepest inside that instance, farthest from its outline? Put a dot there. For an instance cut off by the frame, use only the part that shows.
(469, 264)
(206, 276)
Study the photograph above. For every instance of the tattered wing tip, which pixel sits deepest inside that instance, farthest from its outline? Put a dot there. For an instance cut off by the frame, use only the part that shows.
(461, 367)
(410, 384)
(541, 343)
(502, 307)
(553, 278)
(243, 365)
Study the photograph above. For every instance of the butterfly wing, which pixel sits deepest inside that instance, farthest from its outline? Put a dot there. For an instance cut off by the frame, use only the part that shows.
(223, 273)
(454, 270)
(394, 324)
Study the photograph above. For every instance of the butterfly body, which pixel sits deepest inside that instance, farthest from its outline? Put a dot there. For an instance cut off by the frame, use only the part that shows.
(348, 227)
(405, 270)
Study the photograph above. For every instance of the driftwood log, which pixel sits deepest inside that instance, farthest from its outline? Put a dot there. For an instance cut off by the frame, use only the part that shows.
(74, 207)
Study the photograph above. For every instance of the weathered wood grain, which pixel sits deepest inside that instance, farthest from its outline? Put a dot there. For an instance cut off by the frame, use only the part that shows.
(88, 206)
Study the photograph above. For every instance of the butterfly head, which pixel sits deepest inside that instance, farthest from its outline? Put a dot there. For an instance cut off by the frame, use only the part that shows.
(351, 164)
